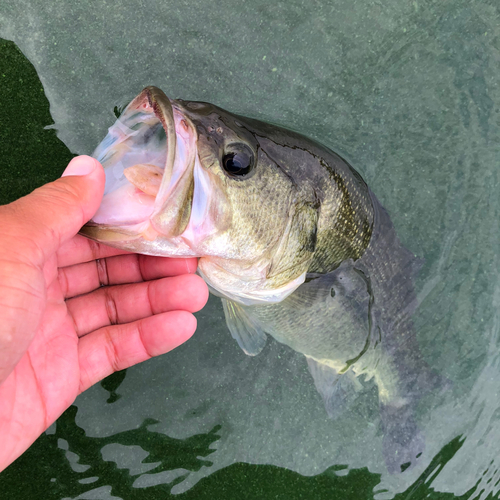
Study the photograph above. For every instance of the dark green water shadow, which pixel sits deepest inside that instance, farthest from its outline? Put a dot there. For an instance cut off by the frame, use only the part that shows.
(69, 463)
(29, 154)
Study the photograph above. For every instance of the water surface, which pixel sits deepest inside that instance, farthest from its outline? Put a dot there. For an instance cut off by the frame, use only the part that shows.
(408, 93)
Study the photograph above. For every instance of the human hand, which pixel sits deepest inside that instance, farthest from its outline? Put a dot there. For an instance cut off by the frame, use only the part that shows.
(61, 331)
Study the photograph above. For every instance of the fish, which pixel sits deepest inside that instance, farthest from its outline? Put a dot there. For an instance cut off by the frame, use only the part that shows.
(288, 235)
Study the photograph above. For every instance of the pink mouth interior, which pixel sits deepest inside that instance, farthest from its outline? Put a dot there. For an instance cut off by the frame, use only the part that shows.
(152, 177)
(133, 155)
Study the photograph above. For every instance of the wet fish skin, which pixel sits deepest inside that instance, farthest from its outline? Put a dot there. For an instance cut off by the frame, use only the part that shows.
(299, 248)
(357, 321)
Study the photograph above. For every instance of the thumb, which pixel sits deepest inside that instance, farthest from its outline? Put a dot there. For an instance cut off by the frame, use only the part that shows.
(55, 212)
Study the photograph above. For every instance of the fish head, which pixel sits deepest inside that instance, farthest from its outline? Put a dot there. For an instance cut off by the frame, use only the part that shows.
(190, 179)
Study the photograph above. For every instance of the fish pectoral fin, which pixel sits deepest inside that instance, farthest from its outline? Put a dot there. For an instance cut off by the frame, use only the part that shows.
(337, 389)
(249, 335)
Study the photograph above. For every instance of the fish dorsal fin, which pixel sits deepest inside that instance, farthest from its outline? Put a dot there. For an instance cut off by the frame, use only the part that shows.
(249, 335)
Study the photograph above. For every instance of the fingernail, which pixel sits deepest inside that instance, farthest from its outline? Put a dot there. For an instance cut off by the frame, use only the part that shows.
(81, 165)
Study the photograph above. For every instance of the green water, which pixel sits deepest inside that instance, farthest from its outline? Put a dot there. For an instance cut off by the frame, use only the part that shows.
(53, 477)
(408, 93)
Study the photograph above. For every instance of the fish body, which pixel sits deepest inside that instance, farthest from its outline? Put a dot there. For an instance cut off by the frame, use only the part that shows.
(287, 233)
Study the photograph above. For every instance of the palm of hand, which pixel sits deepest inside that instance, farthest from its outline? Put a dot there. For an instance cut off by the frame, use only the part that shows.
(84, 331)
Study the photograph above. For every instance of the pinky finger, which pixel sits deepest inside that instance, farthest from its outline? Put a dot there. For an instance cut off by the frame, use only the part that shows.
(117, 347)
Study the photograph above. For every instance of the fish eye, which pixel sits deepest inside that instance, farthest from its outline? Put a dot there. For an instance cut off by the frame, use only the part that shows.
(238, 161)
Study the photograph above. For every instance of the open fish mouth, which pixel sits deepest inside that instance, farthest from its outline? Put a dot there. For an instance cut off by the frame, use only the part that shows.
(172, 189)
(149, 157)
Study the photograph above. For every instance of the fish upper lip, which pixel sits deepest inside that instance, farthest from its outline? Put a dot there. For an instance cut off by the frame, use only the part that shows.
(169, 215)
(182, 210)
(162, 108)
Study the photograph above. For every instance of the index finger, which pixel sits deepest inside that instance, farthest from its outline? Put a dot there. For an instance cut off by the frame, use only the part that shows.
(80, 249)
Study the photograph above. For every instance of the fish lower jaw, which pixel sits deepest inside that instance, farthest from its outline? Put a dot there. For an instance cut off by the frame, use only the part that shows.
(243, 290)
(140, 238)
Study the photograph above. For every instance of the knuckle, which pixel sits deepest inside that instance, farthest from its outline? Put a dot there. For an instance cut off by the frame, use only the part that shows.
(94, 249)
(140, 335)
(62, 278)
(111, 308)
(102, 271)
(111, 350)
(152, 295)
(141, 265)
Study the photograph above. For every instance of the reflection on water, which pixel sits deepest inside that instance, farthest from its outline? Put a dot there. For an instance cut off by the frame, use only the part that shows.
(408, 92)
(95, 463)
(118, 466)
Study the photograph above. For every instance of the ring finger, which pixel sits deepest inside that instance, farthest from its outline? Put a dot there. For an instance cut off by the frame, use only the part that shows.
(125, 303)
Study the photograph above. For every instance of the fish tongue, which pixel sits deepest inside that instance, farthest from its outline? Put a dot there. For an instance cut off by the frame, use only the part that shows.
(145, 177)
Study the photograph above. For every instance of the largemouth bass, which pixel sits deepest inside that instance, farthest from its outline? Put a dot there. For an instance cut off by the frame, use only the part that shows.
(287, 233)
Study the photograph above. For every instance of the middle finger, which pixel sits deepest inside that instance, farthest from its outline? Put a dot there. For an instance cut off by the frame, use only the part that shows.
(131, 268)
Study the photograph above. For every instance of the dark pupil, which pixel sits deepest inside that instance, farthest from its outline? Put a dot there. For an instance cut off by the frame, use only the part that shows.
(237, 163)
